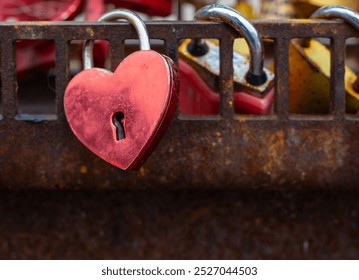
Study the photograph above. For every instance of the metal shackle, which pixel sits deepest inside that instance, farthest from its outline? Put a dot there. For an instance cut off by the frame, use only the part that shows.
(218, 12)
(114, 15)
(338, 12)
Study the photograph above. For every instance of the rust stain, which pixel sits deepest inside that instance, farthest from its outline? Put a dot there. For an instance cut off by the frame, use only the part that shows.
(142, 172)
(333, 147)
(83, 169)
(90, 31)
(276, 150)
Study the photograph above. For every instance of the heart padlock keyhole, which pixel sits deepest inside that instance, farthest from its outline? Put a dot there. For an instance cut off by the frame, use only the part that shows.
(118, 119)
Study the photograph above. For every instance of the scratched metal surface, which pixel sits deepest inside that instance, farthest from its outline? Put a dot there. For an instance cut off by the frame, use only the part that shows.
(279, 151)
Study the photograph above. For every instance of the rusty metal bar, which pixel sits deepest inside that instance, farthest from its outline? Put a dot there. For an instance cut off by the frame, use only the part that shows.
(337, 77)
(242, 152)
(282, 77)
(117, 53)
(8, 79)
(62, 75)
(226, 78)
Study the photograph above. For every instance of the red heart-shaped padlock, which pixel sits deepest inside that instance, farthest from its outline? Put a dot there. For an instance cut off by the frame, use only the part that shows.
(143, 91)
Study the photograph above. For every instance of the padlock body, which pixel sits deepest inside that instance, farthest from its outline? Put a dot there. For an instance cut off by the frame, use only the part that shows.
(309, 80)
(284, 9)
(208, 67)
(200, 83)
(144, 88)
(35, 10)
(150, 7)
(197, 98)
(41, 53)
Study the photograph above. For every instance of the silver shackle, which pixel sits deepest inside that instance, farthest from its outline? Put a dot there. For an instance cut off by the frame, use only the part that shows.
(218, 12)
(114, 15)
(338, 12)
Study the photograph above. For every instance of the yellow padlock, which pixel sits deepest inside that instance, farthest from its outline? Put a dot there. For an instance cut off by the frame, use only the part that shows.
(245, 9)
(311, 62)
(207, 66)
(275, 9)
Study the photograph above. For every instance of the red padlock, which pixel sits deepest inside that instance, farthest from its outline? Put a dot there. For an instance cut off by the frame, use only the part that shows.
(197, 98)
(94, 9)
(253, 84)
(39, 10)
(161, 8)
(60, 10)
(122, 116)
(36, 10)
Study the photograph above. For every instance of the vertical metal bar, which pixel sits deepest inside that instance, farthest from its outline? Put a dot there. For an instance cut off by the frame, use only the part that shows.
(171, 47)
(226, 106)
(116, 52)
(8, 78)
(337, 70)
(281, 61)
(62, 72)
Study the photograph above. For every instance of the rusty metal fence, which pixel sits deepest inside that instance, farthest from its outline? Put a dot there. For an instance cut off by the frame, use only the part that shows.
(229, 151)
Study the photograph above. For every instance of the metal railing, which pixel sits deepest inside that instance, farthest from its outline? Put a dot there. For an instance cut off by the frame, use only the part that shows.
(229, 151)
